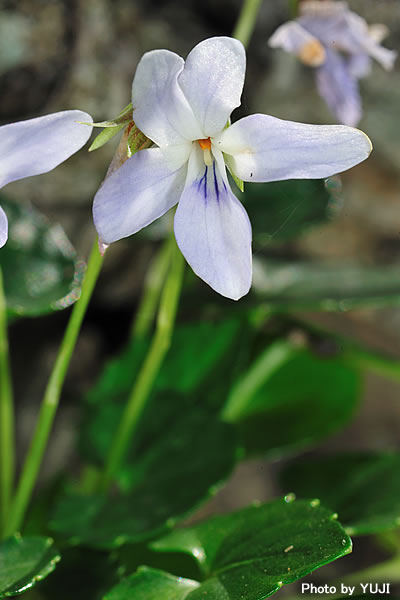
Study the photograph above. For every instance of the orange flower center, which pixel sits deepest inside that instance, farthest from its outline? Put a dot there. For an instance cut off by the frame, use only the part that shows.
(205, 144)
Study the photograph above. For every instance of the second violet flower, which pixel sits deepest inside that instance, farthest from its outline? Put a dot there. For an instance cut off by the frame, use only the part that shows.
(184, 108)
(340, 45)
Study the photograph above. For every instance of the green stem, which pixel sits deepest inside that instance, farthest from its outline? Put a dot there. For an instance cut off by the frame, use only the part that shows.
(52, 395)
(154, 281)
(370, 361)
(246, 21)
(293, 8)
(354, 355)
(7, 442)
(151, 366)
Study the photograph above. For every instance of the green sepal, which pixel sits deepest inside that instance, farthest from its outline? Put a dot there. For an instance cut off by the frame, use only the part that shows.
(137, 141)
(105, 136)
(239, 182)
(124, 117)
(235, 178)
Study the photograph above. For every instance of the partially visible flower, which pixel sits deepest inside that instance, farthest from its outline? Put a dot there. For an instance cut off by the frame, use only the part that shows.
(37, 146)
(339, 44)
(184, 108)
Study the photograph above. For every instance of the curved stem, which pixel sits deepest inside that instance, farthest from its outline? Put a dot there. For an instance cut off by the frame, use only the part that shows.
(52, 395)
(293, 8)
(7, 442)
(154, 281)
(151, 366)
(246, 21)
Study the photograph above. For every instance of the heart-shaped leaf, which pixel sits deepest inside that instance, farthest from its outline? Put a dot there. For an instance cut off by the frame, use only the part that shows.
(290, 398)
(196, 353)
(24, 562)
(170, 476)
(248, 554)
(363, 488)
(41, 270)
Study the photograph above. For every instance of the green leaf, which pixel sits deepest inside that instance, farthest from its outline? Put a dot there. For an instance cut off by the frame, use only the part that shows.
(298, 285)
(248, 554)
(105, 136)
(196, 353)
(172, 465)
(168, 477)
(281, 210)
(24, 562)
(363, 488)
(41, 270)
(152, 584)
(284, 402)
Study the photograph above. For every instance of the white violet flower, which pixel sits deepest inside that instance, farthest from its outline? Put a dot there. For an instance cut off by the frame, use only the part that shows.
(37, 146)
(339, 44)
(184, 107)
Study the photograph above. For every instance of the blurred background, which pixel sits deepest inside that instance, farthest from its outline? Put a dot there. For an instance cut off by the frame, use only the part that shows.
(57, 55)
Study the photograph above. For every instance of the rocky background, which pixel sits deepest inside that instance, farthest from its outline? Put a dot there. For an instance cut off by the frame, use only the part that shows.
(61, 54)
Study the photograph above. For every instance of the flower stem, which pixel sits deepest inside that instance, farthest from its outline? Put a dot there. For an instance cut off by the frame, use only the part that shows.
(246, 21)
(371, 361)
(7, 443)
(293, 8)
(150, 368)
(52, 395)
(154, 281)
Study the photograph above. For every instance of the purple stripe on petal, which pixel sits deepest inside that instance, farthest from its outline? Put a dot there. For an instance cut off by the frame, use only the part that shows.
(214, 235)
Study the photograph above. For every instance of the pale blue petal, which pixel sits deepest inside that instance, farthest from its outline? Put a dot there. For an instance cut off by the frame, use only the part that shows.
(293, 38)
(263, 148)
(339, 89)
(142, 190)
(161, 110)
(3, 227)
(349, 33)
(38, 145)
(359, 65)
(213, 231)
(332, 31)
(212, 81)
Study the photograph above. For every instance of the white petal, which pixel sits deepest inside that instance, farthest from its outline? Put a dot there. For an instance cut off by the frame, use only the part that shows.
(212, 81)
(3, 227)
(39, 145)
(339, 88)
(142, 190)
(359, 65)
(367, 41)
(213, 231)
(297, 40)
(349, 33)
(264, 148)
(161, 110)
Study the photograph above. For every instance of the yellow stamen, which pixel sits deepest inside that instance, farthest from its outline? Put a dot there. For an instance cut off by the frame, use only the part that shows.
(312, 54)
(205, 145)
